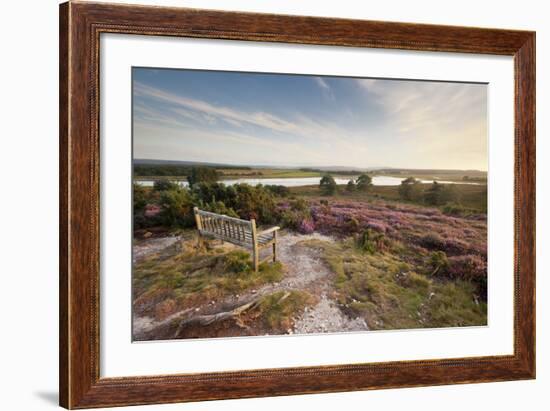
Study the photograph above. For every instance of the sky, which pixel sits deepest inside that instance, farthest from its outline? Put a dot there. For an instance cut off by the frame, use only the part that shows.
(296, 120)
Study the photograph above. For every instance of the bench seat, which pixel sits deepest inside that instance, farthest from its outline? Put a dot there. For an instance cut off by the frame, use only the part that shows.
(236, 231)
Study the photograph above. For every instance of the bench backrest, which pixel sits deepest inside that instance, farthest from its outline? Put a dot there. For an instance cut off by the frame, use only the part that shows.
(230, 229)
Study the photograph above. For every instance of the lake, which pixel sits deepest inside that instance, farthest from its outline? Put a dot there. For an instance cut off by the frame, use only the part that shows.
(308, 181)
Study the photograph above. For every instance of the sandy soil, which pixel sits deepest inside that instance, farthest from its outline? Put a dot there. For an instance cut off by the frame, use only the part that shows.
(305, 270)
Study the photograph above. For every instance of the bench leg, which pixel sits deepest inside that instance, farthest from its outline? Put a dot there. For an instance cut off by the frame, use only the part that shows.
(274, 246)
(199, 240)
(255, 258)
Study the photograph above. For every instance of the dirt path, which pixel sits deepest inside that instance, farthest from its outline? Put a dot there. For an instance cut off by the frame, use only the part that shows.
(145, 248)
(305, 270)
(326, 317)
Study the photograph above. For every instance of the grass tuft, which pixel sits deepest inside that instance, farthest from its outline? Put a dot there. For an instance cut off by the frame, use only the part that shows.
(279, 309)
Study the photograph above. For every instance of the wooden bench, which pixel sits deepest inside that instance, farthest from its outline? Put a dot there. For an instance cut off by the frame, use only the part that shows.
(236, 231)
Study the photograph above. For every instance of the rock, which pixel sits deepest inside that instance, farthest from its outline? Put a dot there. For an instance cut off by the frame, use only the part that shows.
(147, 234)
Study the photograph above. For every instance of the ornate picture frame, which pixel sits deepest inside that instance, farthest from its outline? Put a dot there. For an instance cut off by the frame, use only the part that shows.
(81, 25)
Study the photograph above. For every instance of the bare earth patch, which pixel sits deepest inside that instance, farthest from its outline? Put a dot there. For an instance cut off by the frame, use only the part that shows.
(145, 248)
(304, 271)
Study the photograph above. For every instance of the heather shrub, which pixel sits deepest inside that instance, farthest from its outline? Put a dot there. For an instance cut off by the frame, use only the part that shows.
(467, 267)
(456, 246)
(307, 226)
(471, 268)
(300, 205)
(294, 220)
(432, 241)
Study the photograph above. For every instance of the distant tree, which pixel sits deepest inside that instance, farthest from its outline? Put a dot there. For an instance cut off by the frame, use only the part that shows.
(364, 182)
(440, 194)
(351, 187)
(327, 185)
(202, 175)
(409, 189)
(164, 185)
(433, 195)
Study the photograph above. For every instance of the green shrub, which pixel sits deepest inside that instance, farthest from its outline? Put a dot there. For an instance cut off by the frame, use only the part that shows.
(219, 207)
(351, 187)
(371, 241)
(240, 200)
(140, 198)
(164, 185)
(177, 208)
(409, 189)
(299, 204)
(237, 262)
(278, 190)
(439, 194)
(438, 262)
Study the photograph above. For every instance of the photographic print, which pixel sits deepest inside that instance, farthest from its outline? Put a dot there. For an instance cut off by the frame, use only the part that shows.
(279, 204)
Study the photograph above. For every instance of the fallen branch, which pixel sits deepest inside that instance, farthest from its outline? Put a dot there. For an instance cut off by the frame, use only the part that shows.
(221, 316)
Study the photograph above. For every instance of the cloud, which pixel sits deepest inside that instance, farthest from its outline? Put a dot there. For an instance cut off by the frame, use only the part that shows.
(401, 124)
(321, 83)
(233, 116)
(300, 125)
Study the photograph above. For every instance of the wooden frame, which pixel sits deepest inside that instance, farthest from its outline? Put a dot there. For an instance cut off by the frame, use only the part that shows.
(80, 27)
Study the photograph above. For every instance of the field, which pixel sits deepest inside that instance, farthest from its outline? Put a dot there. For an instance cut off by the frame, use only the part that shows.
(351, 260)
(146, 172)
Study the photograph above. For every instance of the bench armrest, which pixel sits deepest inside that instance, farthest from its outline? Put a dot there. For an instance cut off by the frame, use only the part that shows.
(269, 230)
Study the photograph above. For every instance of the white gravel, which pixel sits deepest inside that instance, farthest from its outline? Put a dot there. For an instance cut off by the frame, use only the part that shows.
(326, 317)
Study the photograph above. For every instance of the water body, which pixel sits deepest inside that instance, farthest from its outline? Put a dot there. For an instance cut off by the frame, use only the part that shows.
(308, 181)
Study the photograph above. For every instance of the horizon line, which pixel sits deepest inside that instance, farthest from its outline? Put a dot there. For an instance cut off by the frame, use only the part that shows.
(307, 166)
